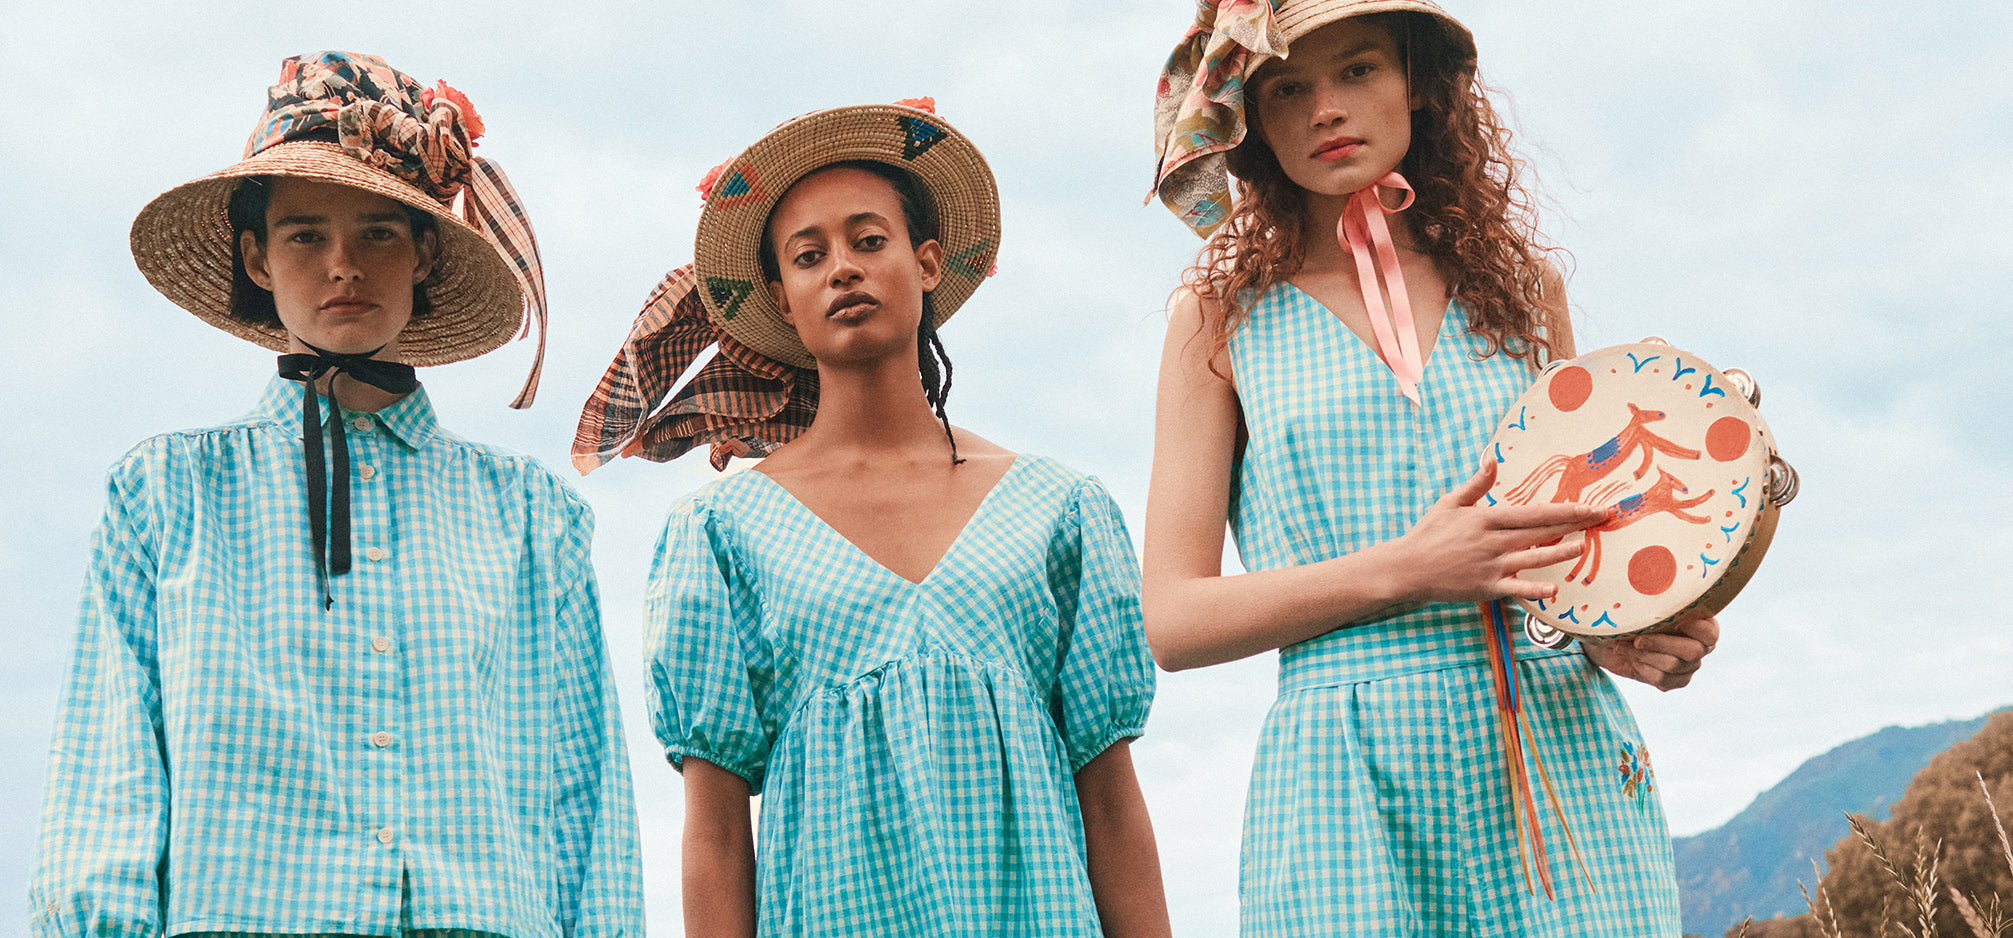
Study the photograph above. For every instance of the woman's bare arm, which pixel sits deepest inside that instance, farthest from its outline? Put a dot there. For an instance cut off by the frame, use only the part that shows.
(719, 853)
(1124, 862)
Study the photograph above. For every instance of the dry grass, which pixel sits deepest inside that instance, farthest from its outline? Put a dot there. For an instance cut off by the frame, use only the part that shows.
(1918, 885)
(1827, 922)
(1922, 889)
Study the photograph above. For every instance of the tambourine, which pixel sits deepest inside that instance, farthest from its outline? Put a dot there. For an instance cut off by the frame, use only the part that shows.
(1677, 452)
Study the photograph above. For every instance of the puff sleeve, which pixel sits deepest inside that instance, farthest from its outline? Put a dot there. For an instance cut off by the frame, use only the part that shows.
(701, 619)
(1104, 686)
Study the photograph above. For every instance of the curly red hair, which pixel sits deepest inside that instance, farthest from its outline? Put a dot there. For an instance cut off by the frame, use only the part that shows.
(1471, 214)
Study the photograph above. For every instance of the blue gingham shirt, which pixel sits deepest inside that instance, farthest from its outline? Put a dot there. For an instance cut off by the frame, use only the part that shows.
(442, 749)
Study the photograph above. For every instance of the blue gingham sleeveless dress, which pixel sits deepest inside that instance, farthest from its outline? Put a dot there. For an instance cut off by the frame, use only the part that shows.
(1378, 804)
(914, 744)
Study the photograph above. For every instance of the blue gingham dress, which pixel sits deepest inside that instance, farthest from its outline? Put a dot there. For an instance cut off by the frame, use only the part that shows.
(1378, 803)
(914, 744)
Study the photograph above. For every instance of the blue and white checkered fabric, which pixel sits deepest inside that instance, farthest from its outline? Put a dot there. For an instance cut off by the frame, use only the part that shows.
(229, 757)
(1377, 805)
(914, 744)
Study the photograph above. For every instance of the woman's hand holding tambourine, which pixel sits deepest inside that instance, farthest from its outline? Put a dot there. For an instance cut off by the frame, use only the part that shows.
(1464, 551)
(1664, 660)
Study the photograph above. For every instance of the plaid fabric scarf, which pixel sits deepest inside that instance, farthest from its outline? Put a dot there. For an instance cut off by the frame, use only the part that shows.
(740, 402)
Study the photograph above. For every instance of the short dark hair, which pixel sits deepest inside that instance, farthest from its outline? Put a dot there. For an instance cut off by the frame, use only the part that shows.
(247, 212)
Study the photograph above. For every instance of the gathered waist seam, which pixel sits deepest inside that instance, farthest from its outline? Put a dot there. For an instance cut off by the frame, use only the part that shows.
(1315, 675)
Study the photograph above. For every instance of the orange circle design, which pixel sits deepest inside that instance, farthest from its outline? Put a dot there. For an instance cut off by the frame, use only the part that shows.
(1727, 439)
(1570, 388)
(1652, 570)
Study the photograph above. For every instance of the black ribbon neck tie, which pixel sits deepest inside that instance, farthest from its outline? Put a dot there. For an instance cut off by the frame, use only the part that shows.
(328, 504)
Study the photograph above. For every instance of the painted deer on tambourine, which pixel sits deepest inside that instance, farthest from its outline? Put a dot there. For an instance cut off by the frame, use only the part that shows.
(1677, 452)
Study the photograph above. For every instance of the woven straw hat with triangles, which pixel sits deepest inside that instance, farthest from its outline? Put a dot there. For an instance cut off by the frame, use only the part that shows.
(744, 190)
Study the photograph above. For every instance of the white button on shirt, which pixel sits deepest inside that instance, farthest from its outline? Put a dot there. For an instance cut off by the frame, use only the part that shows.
(361, 423)
(380, 644)
(380, 739)
(375, 554)
(385, 836)
(368, 472)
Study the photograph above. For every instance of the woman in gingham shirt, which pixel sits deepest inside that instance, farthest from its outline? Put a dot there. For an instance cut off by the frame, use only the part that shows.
(339, 671)
(1295, 408)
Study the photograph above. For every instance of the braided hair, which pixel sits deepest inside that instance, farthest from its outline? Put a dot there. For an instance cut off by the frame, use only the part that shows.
(930, 355)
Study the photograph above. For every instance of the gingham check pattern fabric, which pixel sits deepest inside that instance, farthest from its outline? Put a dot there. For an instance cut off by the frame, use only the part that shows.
(1377, 805)
(914, 744)
(441, 749)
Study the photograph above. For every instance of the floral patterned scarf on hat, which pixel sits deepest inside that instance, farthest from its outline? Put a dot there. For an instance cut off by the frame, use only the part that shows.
(1198, 108)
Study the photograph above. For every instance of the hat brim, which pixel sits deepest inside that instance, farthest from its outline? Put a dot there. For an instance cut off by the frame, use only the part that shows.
(747, 189)
(182, 243)
(1299, 19)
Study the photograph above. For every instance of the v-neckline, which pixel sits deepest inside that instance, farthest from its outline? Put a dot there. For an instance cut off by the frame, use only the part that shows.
(1427, 355)
(963, 532)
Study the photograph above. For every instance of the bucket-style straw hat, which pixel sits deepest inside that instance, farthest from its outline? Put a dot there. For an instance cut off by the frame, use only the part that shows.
(761, 390)
(351, 119)
(1198, 107)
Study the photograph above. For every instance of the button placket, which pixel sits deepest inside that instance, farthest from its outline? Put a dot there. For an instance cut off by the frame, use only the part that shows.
(375, 602)
(369, 504)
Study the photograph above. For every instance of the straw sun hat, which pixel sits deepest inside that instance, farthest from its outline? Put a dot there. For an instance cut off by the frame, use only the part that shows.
(761, 390)
(1198, 109)
(742, 192)
(391, 137)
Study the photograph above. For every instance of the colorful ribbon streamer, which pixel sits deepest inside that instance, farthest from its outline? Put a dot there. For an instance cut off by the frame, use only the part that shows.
(1517, 740)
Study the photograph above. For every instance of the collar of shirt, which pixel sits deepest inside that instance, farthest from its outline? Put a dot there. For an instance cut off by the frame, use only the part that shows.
(410, 421)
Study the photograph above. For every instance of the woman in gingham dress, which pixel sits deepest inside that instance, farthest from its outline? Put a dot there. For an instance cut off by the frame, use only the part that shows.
(1336, 426)
(923, 651)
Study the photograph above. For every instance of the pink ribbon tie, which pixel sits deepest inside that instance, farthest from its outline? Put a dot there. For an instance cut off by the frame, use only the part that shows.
(1363, 230)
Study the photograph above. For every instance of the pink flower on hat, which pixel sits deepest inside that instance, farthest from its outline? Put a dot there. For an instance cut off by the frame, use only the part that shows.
(469, 119)
(705, 186)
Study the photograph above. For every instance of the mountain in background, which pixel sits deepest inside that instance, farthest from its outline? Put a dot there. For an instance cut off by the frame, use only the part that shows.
(1750, 865)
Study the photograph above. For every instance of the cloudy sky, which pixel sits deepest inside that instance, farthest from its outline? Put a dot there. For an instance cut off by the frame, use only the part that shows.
(1815, 192)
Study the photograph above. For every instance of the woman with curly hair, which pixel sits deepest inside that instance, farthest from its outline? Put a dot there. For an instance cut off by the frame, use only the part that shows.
(1360, 316)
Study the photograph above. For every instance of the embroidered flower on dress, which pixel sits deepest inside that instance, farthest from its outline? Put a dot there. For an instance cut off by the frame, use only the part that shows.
(1637, 776)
